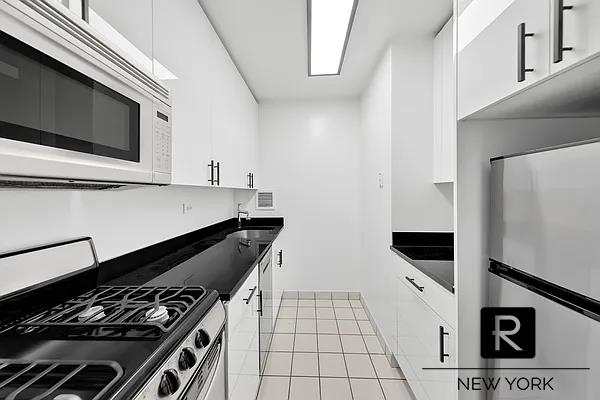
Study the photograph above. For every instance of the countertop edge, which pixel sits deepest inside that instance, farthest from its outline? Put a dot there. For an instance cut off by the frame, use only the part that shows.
(226, 297)
(415, 264)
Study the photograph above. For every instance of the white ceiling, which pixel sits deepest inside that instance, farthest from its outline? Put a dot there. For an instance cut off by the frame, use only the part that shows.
(267, 40)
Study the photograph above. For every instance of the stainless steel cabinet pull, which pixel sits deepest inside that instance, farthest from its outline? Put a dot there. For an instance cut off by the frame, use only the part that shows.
(443, 353)
(252, 291)
(521, 52)
(412, 281)
(559, 8)
(218, 178)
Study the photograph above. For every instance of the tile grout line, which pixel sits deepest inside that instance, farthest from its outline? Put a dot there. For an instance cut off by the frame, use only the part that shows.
(318, 358)
(345, 363)
(373, 364)
(293, 348)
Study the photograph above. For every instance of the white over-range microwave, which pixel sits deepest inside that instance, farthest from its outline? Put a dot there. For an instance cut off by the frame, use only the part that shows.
(73, 109)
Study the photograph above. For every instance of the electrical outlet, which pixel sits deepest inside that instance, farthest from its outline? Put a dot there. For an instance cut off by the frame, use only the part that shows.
(186, 208)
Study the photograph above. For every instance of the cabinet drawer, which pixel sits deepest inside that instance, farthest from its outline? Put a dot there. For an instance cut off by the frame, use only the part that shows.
(439, 299)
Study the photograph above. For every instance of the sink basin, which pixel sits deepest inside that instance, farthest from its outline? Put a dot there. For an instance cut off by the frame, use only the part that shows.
(253, 233)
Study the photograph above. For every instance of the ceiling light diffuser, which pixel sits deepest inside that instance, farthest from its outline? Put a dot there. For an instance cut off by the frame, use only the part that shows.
(329, 26)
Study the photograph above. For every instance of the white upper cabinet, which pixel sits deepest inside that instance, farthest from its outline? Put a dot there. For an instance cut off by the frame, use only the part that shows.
(113, 20)
(496, 58)
(182, 47)
(234, 122)
(444, 114)
(215, 117)
(577, 25)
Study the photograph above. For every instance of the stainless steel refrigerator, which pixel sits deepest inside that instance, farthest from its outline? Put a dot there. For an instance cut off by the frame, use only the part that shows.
(545, 254)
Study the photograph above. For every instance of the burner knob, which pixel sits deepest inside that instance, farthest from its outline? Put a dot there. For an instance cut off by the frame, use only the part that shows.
(169, 383)
(202, 339)
(187, 358)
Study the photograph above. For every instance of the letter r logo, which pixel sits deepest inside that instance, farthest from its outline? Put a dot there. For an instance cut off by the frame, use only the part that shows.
(507, 332)
(500, 334)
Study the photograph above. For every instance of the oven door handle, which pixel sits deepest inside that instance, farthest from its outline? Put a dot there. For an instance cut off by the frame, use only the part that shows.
(215, 388)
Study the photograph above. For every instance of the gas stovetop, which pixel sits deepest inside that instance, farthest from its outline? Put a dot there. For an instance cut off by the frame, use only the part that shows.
(112, 312)
(57, 379)
(70, 339)
(104, 344)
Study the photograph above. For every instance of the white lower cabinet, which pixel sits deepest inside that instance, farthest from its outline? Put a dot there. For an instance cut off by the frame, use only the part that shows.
(425, 340)
(278, 275)
(242, 344)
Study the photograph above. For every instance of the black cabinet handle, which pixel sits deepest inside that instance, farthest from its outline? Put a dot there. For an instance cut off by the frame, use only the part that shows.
(252, 180)
(521, 36)
(412, 281)
(252, 291)
(249, 184)
(218, 178)
(280, 260)
(559, 8)
(212, 172)
(85, 10)
(443, 353)
(260, 297)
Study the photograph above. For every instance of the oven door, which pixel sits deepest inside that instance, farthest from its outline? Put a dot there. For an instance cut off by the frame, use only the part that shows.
(209, 381)
(66, 115)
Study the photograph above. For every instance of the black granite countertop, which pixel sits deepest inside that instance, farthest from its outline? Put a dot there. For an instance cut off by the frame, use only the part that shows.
(218, 257)
(430, 252)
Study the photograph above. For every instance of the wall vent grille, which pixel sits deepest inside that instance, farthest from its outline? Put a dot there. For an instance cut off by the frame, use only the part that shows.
(265, 201)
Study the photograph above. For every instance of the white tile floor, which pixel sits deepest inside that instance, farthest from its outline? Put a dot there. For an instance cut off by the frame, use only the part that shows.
(327, 350)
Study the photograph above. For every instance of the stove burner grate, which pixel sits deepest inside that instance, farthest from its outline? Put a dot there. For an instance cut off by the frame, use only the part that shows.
(113, 312)
(49, 379)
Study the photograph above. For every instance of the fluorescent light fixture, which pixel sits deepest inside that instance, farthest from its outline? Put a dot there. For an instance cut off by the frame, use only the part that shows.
(329, 26)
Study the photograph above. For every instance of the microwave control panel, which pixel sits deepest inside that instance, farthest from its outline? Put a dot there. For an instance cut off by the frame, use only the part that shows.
(162, 140)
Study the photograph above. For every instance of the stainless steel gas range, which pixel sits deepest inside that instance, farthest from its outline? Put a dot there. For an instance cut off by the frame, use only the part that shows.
(62, 337)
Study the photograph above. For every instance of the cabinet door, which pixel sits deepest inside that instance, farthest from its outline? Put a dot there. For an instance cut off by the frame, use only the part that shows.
(234, 120)
(488, 65)
(242, 345)
(128, 25)
(581, 31)
(181, 48)
(444, 127)
(423, 337)
(278, 275)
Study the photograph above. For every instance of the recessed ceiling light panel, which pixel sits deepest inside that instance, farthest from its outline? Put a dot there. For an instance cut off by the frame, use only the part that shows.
(329, 26)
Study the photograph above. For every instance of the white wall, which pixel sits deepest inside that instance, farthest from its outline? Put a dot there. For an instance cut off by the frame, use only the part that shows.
(119, 221)
(417, 203)
(478, 141)
(309, 157)
(377, 277)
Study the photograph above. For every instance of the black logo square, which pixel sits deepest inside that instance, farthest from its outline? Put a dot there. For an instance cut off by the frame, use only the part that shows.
(508, 332)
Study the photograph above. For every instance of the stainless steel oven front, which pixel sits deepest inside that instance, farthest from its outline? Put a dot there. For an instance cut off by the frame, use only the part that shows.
(74, 108)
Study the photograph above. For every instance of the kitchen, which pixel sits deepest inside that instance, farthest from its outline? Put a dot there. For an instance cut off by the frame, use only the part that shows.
(283, 200)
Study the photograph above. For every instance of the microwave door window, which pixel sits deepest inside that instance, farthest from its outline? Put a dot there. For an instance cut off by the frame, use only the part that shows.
(44, 101)
(66, 111)
(19, 92)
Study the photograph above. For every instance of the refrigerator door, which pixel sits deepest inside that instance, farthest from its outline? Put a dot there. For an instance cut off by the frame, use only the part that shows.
(546, 215)
(564, 339)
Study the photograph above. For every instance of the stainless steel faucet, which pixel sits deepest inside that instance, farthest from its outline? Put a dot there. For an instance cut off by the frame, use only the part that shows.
(240, 213)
